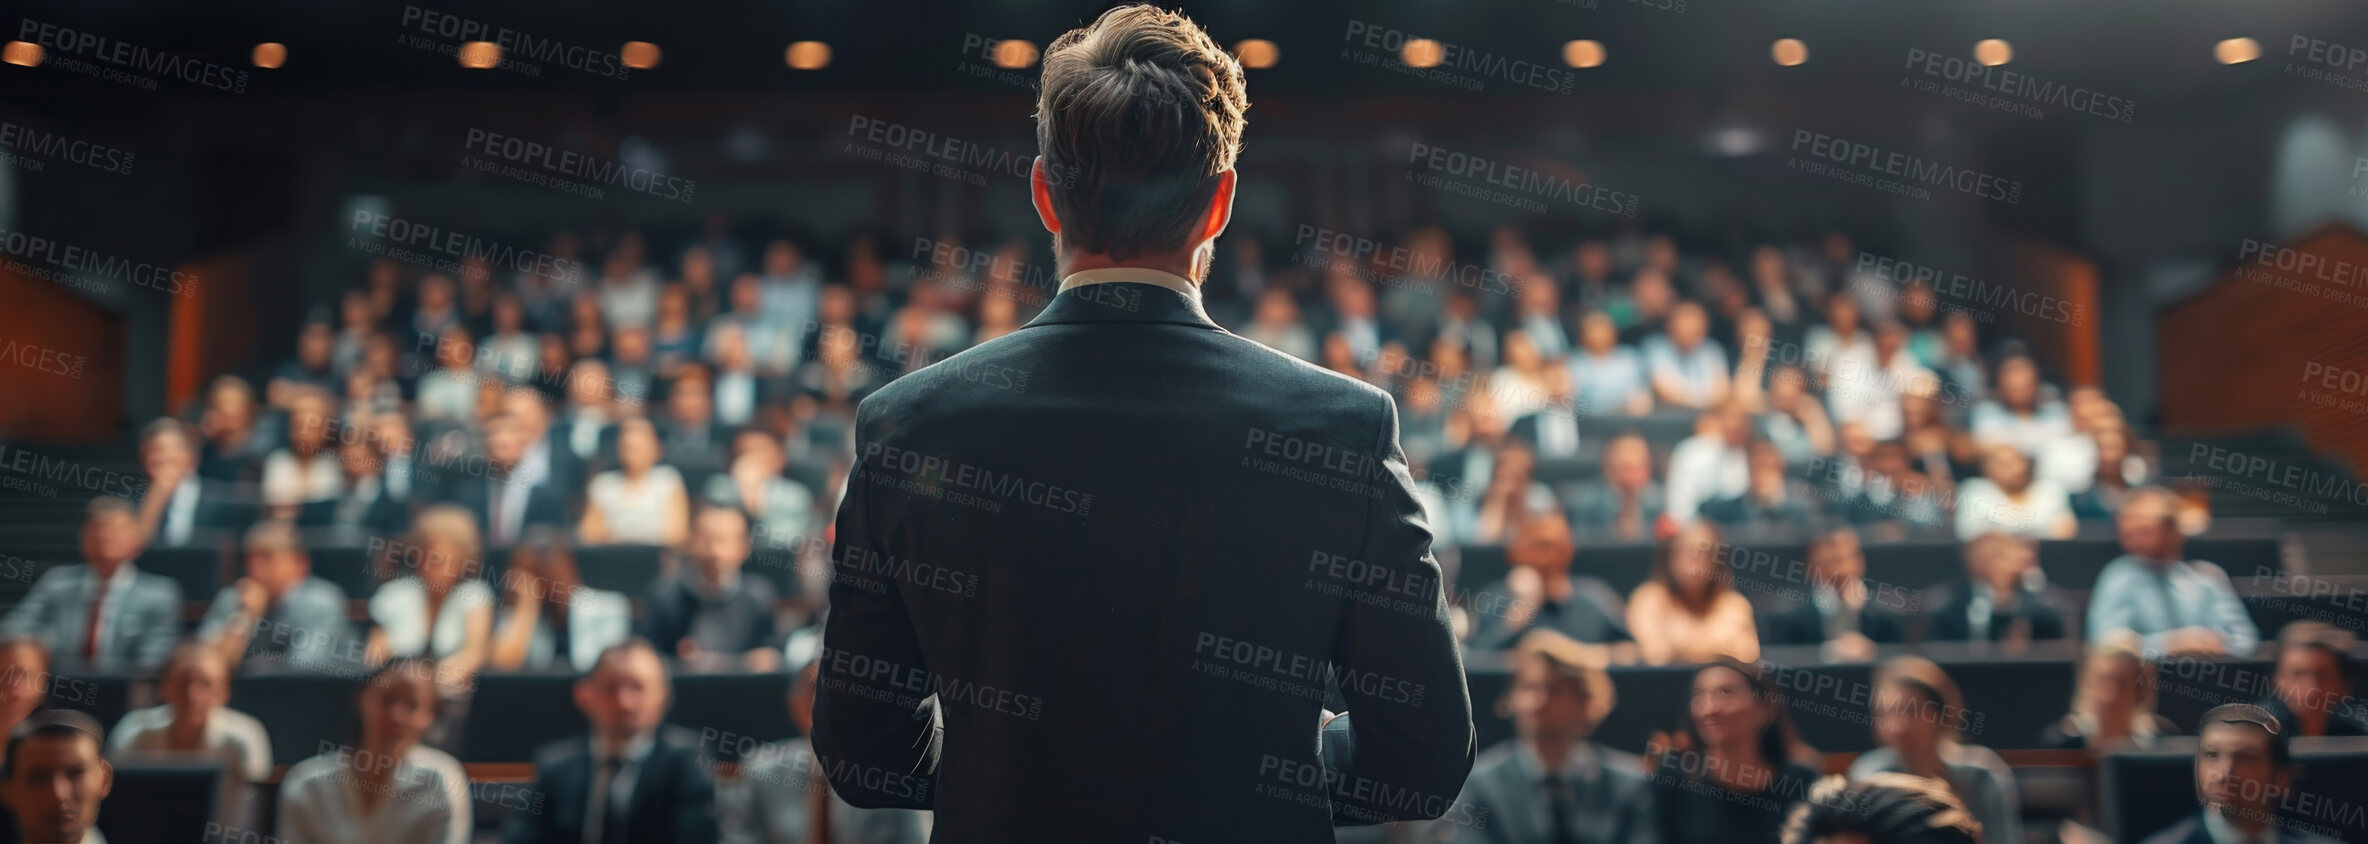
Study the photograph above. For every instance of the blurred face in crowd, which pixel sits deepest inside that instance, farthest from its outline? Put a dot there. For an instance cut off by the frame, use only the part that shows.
(1521, 353)
(1889, 340)
(1595, 260)
(2309, 679)
(1688, 325)
(633, 346)
(195, 685)
(527, 407)
(1651, 294)
(2233, 768)
(454, 350)
(2004, 564)
(1725, 710)
(637, 447)
(277, 567)
(2113, 446)
(1628, 463)
(1548, 705)
(1543, 542)
(308, 422)
(1767, 470)
(398, 707)
(1787, 386)
(168, 457)
(1598, 333)
(746, 296)
(2147, 528)
(505, 440)
(314, 345)
(1919, 304)
(1693, 561)
(625, 695)
(690, 400)
(1841, 314)
(2110, 682)
(2007, 468)
(719, 543)
(2018, 383)
(587, 384)
(1960, 333)
(54, 786)
(354, 311)
(232, 403)
(1660, 253)
(1839, 559)
(1448, 357)
(435, 293)
(1275, 308)
(110, 538)
(698, 268)
(1906, 720)
(509, 317)
(24, 682)
(782, 259)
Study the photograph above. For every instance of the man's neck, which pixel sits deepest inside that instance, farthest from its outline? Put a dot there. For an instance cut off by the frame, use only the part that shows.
(1185, 265)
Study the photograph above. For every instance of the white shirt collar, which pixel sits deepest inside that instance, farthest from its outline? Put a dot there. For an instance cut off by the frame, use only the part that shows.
(1135, 275)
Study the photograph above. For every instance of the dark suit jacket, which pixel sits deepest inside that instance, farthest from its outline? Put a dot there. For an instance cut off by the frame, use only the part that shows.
(223, 509)
(673, 793)
(1952, 620)
(1121, 582)
(1797, 622)
(1507, 805)
(544, 506)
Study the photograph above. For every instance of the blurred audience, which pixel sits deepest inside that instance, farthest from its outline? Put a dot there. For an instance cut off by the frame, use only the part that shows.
(387, 787)
(2179, 606)
(1840, 610)
(2311, 690)
(635, 778)
(2004, 597)
(2113, 694)
(1550, 782)
(279, 612)
(549, 618)
(1920, 723)
(1729, 773)
(104, 610)
(54, 776)
(194, 720)
(1689, 611)
(708, 613)
(2244, 775)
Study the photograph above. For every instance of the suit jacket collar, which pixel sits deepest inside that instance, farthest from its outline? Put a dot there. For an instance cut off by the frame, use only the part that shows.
(1123, 301)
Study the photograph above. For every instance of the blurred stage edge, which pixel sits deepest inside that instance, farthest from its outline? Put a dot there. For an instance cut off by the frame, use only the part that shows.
(2241, 346)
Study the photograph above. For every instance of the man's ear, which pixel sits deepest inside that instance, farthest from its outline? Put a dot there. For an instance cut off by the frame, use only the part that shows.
(1040, 190)
(1220, 210)
(106, 780)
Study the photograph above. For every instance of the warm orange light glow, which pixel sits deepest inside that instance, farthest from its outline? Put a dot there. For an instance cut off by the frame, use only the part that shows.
(479, 55)
(809, 55)
(269, 55)
(1421, 52)
(1582, 53)
(21, 53)
(1257, 53)
(2237, 51)
(1013, 54)
(1993, 52)
(1789, 52)
(640, 55)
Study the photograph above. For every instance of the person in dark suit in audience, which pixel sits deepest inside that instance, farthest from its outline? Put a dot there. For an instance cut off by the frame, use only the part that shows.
(781, 784)
(2002, 598)
(364, 506)
(2311, 691)
(1883, 809)
(279, 612)
(635, 779)
(1550, 783)
(708, 614)
(105, 610)
(741, 391)
(178, 507)
(1773, 502)
(2244, 773)
(694, 442)
(503, 502)
(54, 777)
(1540, 593)
(1129, 560)
(1626, 502)
(585, 431)
(1840, 609)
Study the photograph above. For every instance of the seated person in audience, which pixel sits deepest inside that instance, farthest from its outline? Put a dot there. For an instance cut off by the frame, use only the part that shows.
(782, 510)
(707, 613)
(1793, 419)
(2120, 473)
(1550, 782)
(443, 611)
(1919, 722)
(2018, 416)
(388, 787)
(1893, 491)
(1728, 774)
(2179, 606)
(586, 430)
(178, 507)
(306, 470)
(774, 798)
(1609, 377)
(1688, 368)
(24, 679)
(2001, 599)
(450, 391)
(1689, 611)
(2112, 701)
(2311, 692)
(640, 502)
(2007, 499)
(503, 500)
(1711, 463)
(2244, 774)
(1843, 334)
(1773, 501)
(105, 610)
(1883, 809)
(549, 618)
(1839, 609)
(1626, 502)
(1865, 386)
(54, 776)
(1539, 593)
(234, 438)
(312, 368)
(364, 506)
(634, 779)
(193, 719)
(693, 440)
(279, 612)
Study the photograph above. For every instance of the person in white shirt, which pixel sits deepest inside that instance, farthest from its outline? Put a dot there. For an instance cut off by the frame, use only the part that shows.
(1865, 384)
(307, 470)
(1710, 464)
(54, 776)
(642, 501)
(387, 788)
(2007, 499)
(450, 392)
(444, 611)
(193, 719)
(2019, 414)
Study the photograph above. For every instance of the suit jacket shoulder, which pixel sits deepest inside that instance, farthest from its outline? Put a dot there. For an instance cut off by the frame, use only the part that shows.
(2189, 831)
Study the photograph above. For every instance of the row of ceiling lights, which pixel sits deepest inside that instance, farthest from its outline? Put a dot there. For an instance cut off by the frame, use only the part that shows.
(1254, 53)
